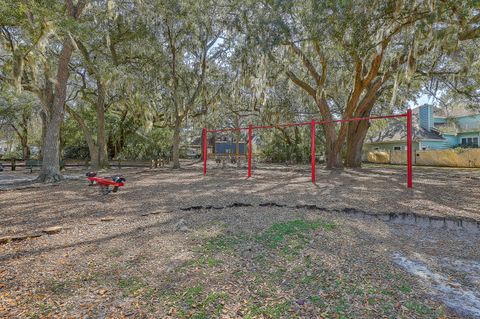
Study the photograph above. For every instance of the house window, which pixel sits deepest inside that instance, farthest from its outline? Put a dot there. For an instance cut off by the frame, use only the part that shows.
(397, 148)
(470, 141)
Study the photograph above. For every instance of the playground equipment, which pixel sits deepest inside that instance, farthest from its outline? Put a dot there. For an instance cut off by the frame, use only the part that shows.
(116, 182)
(312, 124)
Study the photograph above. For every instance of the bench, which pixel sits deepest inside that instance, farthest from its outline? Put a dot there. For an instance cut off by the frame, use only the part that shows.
(13, 164)
(31, 163)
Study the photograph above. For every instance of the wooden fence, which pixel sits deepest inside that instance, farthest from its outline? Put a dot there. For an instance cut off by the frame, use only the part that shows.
(458, 157)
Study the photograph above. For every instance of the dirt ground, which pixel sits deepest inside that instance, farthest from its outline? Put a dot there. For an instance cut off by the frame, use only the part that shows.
(177, 244)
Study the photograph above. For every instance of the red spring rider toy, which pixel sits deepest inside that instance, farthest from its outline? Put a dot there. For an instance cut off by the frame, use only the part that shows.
(115, 181)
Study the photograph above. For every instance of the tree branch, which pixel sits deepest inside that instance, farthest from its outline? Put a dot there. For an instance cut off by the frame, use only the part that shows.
(307, 63)
(304, 85)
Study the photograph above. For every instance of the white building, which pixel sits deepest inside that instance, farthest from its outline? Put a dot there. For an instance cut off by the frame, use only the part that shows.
(5, 146)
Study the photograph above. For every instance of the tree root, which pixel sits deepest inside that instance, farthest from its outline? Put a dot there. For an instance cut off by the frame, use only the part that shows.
(49, 178)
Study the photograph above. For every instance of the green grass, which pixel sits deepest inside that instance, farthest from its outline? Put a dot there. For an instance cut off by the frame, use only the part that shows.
(194, 302)
(406, 289)
(296, 230)
(317, 301)
(207, 261)
(131, 285)
(275, 265)
(418, 308)
(60, 287)
(222, 243)
(279, 310)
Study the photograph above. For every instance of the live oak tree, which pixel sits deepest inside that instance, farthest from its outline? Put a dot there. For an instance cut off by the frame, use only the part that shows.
(106, 62)
(186, 35)
(16, 112)
(345, 54)
(28, 33)
(452, 70)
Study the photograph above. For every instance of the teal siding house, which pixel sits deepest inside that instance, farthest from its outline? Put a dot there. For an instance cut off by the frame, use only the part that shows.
(433, 129)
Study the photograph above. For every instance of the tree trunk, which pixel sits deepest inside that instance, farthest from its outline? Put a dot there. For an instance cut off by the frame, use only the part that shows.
(51, 145)
(357, 131)
(238, 136)
(202, 145)
(176, 143)
(237, 147)
(93, 150)
(334, 158)
(25, 148)
(333, 151)
(24, 135)
(55, 106)
(101, 136)
(43, 117)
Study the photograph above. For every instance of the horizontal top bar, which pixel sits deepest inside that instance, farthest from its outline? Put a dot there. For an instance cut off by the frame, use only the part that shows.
(362, 119)
(309, 123)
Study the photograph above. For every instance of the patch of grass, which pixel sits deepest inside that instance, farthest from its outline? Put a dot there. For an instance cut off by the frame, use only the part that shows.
(317, 301)
(261, 259)
(194, 303)
(45, 308)
(131, 285)
(42, 310)
(274, 236)
(341, 307)
(269, 311)
(215, 300)
(222, 243)
(405, 288)
(60, 287)
(207, 261)
(192, 295)
(308, 280)
(333, 293)
(418, 308)
(149, 292)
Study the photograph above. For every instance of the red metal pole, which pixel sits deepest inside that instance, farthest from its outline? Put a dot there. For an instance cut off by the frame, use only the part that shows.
(313, 151)
(205, 150)
(409, 149)
(250, 150)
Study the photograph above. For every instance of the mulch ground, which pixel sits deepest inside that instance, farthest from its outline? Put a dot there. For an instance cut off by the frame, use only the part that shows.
(177, 244)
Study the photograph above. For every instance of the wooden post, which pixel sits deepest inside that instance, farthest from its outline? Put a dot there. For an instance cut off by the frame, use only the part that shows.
(409, 149)
(250, 150)
(313, 151)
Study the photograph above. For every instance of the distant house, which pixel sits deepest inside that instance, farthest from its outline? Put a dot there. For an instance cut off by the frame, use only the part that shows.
(5, 147)
(225, 145)
(220, 144)
(433, 129)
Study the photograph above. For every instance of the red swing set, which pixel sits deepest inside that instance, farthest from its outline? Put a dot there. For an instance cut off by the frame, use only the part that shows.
(312, 124)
